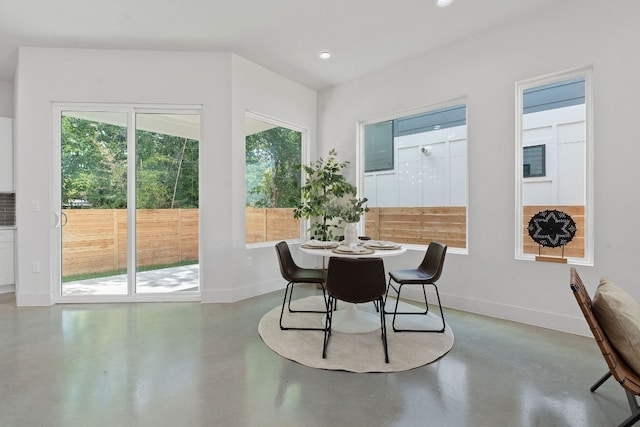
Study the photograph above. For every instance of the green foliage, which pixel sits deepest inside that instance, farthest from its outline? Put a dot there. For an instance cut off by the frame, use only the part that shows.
(324, 187)
(94, 167)
(273, 168)
(352, 210)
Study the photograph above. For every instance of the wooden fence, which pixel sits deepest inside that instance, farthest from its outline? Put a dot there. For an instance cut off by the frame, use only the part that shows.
(446, 224)
(95, 240)
(270, 225)
(406, 225)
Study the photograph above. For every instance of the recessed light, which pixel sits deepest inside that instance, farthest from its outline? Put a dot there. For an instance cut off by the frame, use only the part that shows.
(443, 3)
(325, 54)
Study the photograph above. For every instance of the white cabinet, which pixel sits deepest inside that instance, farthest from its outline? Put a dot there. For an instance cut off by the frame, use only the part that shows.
(6, 257)
(6, 155)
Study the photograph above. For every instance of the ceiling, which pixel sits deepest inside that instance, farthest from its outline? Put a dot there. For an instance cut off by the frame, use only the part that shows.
(285, 36)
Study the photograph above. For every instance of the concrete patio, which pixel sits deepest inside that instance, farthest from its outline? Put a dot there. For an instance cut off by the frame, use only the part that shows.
(163, 280)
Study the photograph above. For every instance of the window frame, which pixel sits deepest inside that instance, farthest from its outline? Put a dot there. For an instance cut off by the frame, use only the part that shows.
(304, 159)
(544, 161)
(520, 88)
(360, 161)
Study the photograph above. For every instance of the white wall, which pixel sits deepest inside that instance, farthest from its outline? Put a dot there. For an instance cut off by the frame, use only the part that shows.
(484, 69)
(45, 76)
(258, 90)
(6, 99)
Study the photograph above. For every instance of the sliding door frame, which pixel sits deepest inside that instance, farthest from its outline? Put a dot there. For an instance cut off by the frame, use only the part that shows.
(56, 230)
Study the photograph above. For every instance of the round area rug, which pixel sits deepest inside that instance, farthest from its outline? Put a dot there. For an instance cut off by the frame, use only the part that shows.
(355, 352)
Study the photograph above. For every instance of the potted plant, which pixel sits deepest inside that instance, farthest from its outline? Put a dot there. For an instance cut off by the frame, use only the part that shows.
(351, 212)
(324, 187)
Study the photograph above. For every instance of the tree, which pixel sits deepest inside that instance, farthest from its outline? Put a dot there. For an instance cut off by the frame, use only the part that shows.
(273, 168)
(94, 166)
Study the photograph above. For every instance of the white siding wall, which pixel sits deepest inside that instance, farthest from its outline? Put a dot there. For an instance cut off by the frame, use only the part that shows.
(562, 131)
(436, 178)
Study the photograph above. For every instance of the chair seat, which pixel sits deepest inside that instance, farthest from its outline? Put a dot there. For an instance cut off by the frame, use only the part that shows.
(309, 275)
(410, 276)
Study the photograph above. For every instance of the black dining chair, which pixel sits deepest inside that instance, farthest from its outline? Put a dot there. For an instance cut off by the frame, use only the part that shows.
(427, 273)
(294, 275)
(355, 280)
(363, 238)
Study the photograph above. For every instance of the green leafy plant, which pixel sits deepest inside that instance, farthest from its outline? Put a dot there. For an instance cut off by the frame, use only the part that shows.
(324, 187)
(352, 210)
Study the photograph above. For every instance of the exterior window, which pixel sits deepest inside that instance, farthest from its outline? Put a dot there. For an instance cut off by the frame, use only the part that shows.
(533, 161)
(423, 195)
(272, 180)
(554, 148)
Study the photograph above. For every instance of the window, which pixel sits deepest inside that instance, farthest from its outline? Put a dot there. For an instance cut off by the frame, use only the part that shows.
(421, 194)
(553, 159)
(378, 146)
(273, 153)
(533, 161)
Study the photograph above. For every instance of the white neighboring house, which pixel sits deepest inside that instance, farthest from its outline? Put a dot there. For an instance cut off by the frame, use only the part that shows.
(430, 169)
(562, 133)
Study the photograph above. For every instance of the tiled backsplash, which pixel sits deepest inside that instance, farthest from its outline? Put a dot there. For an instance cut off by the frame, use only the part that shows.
(7, 209)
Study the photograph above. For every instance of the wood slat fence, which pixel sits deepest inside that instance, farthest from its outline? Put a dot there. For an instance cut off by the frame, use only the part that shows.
(95, 240)
(271, 224)
(445, 224)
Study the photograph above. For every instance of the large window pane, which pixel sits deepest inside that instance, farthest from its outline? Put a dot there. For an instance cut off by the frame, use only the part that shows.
(552, 161)
(167, 202)
(423, 196)
(272, 180)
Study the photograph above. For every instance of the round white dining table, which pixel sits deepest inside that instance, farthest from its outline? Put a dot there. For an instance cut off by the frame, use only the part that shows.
(348, 319)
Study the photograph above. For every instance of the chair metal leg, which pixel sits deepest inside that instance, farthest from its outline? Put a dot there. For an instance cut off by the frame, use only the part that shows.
(383, 327)
(633, 403)
(327, 326)
(288, 293)
(397, 291)
(631, 399)
(324, 295)
(635, 411)
(396, 312)
(631, 420)
(600, 381)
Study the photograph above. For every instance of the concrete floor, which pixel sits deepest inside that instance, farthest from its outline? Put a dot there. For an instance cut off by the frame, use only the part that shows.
(192, 364)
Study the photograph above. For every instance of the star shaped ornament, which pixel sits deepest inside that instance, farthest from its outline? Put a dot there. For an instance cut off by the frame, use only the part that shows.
(552, 228)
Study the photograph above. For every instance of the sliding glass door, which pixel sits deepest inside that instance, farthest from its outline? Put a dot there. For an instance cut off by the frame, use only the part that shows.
(128, 216)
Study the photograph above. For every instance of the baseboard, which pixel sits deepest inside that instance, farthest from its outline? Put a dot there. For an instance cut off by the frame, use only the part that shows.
(241, 293)
(26, 300)
(543, 319)
(5, 289)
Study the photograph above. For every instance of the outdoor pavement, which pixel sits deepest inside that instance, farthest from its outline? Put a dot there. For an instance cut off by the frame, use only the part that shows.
(164, 280)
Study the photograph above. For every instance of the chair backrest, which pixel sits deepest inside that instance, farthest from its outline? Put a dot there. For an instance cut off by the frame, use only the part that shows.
(620, 370)
(287, 265)
(341, 238)
(434, 260)
(356, 279)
